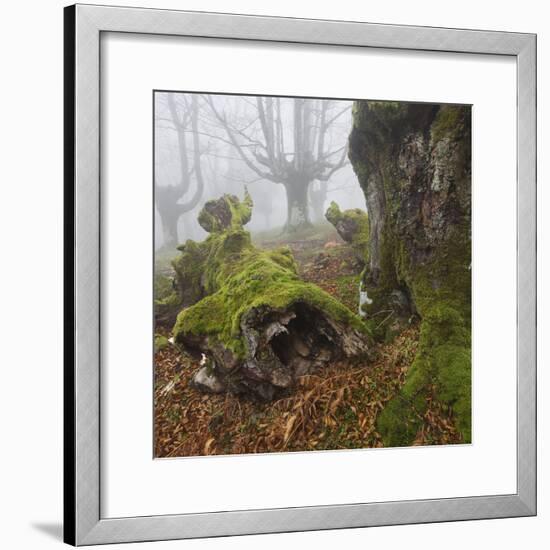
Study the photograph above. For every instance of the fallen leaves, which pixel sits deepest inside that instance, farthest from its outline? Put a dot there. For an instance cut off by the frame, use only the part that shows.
(288, 430)
(334, 408)
(208, 445)
(437, 427)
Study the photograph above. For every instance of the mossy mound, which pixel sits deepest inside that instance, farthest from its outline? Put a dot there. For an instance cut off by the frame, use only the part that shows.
(251, 279)
(226, 213)
(190, 283)
(353, 226)
(442, 294)
(258, 323)
(167, 302)
(413, 163)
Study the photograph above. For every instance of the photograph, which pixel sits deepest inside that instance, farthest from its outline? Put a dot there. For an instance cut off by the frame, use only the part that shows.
(312, 274)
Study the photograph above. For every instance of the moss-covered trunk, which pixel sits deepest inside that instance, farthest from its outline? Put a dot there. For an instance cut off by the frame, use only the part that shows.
(255, 325)
(413, 164)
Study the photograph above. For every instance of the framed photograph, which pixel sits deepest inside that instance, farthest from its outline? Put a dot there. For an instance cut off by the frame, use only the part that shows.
(300, 274)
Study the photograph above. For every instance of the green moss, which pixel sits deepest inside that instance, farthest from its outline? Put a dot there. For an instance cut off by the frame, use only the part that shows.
(444, 362)
(227, 212)
(434, 273)
(380, 289)
(353, 227)
(162, 286)
(188, 267)
(241, 211)
(170, 301)
(378, 310)
(167, 301)
(161, 342)
(333, 213)
(444, 356)
(347, 290)
(283, 256)
(246, 279)
(446, 121)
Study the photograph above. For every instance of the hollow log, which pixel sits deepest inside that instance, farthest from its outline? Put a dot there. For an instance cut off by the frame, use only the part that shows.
(257, 326)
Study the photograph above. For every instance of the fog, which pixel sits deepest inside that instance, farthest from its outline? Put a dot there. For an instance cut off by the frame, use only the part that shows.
(208, 145)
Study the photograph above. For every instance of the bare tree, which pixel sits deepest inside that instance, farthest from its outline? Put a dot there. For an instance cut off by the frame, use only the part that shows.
(287, 141)
(183, 118)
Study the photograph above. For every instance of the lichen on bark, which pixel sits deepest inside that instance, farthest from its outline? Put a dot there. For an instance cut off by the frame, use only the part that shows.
(413, 164)
(254, 321)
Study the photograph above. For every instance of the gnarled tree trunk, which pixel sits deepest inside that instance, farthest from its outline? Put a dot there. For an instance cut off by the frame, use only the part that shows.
(308, 156)
(255, 325)
(413, 162)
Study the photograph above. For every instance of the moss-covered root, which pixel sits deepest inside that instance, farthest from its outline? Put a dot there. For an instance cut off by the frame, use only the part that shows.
(185, 289)
(191, 283)
(442, 369)
(353, 226)
(259, 326)
(167, 300)
(227, 212)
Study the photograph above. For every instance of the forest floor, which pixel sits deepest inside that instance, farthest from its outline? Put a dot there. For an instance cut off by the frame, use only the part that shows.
(333, 409)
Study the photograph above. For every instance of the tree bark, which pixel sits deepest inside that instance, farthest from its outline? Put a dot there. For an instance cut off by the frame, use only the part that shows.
(413, 162)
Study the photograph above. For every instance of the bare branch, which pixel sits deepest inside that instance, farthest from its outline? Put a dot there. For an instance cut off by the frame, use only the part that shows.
(222, 119)
(184, 163)
(194, 200)
(338, 115)
(341, 163)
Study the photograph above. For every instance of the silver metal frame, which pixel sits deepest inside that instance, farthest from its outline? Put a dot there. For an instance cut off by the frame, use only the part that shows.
(83, 25)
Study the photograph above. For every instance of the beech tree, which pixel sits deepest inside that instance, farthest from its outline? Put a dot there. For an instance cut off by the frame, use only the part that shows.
(174, 199)
(289, 142)
(317, 196)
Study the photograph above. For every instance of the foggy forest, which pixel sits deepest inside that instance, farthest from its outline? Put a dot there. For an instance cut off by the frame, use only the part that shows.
(312, 278)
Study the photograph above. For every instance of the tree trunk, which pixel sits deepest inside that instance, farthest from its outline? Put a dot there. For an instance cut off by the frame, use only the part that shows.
(318, 199)
(166, 198)
(403, 157)
(297, 205)
(169, 231)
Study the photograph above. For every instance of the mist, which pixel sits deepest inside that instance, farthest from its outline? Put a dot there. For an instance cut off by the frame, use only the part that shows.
(208, 145)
